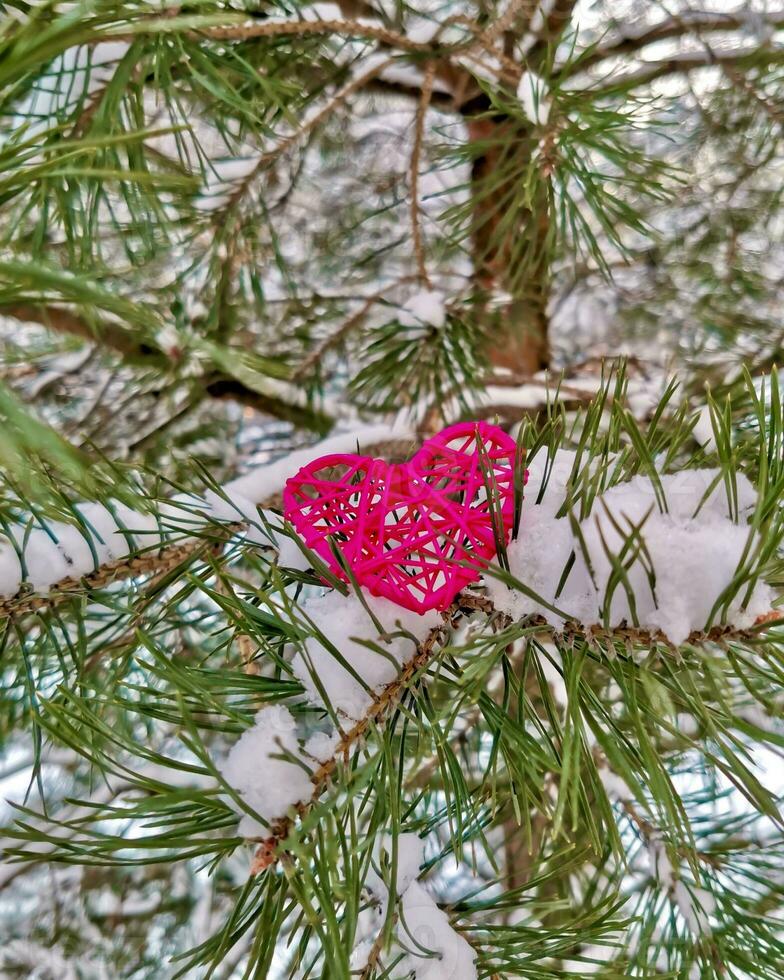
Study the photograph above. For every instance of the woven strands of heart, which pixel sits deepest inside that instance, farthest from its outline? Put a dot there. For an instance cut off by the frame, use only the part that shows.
(414, 532)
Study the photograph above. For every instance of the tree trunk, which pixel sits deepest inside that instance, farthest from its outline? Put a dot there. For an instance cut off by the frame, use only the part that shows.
(510, 251)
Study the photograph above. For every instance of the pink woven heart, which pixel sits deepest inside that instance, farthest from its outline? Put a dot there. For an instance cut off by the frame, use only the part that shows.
(405, 530)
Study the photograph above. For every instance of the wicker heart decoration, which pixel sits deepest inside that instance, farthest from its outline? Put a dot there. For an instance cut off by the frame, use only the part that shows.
(405, 530)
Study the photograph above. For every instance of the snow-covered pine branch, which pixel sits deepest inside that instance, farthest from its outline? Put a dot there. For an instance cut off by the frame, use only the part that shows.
(278, 766)
(42, 562)
(354, 665)
(359, 651)
(659, 554)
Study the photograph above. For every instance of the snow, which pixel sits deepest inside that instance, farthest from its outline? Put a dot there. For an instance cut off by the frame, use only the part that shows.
(661, 866)
(264, 481)
(534, 95)
(431, 948)
(44, 562)
(112, 531)
(483, 66)
(341, 623)
(233, 507)
(268, 785)
(615, 786)
(371, 918)
(102, 528)
(410, 855)
(72, 76)
(427, 307)
(703, 430)
(322, 746)
(436, 951)
(361, 952)
(271, 785)
(693, 550)
(399, 72)
(38, 959)
(64, 550)
(696, 906)
(10, 569)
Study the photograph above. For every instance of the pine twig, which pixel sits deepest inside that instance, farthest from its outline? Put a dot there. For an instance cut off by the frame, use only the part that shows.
(507, 19)
(354, 85)
(157, 562)
(292, 28)
(268, 853)
(347, 327)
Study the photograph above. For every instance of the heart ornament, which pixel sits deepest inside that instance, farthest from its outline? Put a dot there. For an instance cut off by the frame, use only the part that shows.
(417, 532)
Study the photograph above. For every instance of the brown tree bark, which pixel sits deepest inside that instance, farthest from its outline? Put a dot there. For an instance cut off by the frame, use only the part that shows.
(510, 250)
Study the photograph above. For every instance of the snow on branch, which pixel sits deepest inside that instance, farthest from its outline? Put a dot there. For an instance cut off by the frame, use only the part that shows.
(42, 562)
(355, 652)
(435, 950)
(427, 947)
(311, 26)
(658, 555)
(278, 767)
(359, 656)
(655, 555)
(687, 61)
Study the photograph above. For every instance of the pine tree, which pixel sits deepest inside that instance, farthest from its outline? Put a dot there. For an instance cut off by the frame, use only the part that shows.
(238, 238)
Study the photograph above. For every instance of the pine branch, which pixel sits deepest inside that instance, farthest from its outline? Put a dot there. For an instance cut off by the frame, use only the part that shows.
(689, 22)
(268, 852)
(103, 332)
(510, 21)
(556, 19)
(200, 538)
(349, 326)
(270, 849)
(271, 29)
(227, 388)
(159, 562)
(144, 353)
(354, 85)
(686, 62)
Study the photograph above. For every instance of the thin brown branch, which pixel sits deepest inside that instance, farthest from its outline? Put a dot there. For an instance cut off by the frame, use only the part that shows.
(220, 386)
(256, 29)
(157, 563)
(387, 86)
(227, 388)
(508, 21)
(451, 74)
(416, 157)
(690, 21)
(268, 851)
(344, 330)
(63, 320)
(685, 62)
